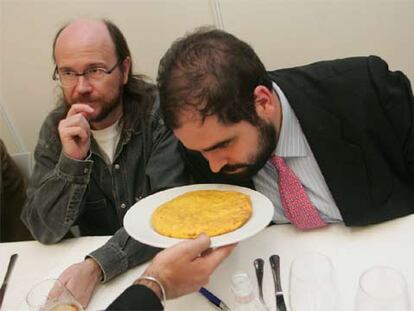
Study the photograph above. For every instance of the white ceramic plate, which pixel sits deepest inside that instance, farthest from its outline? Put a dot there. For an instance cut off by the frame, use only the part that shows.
(137, 221)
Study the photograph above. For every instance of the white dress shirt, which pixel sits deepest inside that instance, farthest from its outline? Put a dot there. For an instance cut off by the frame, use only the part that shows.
(295, 150)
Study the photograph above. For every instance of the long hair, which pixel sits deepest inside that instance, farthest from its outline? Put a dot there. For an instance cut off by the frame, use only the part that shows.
(138, 95)
(212, 72)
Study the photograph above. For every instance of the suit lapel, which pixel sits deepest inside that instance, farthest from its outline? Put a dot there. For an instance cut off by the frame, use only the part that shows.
(341, 162)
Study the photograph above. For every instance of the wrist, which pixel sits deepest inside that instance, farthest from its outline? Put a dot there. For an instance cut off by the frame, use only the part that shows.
(151, 285)
(77, 156)
(154, 284)
(94, 268)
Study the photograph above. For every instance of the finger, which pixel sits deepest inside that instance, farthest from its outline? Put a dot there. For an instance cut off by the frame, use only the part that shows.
(217, 256)
(56, 290)
(79, 132)
(84, 109)
(75, 120)
(193, 248)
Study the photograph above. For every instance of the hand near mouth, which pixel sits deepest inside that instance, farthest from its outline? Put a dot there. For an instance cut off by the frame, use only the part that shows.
(74, 131)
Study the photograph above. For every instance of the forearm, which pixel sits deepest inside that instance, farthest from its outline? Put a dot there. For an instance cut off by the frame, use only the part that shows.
(55, 196)
(121, 253)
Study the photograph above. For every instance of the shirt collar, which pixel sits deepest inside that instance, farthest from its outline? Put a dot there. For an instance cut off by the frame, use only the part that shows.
(291, 139)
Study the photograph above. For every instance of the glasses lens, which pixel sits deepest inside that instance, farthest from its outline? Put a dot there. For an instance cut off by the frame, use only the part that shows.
(95, 74)
(70, 78)
(67, 79)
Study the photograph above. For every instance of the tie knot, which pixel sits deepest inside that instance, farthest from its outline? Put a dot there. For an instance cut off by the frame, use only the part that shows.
(278, 162)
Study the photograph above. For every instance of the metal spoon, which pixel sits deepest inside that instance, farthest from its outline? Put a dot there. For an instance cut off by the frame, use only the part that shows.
(258, 266)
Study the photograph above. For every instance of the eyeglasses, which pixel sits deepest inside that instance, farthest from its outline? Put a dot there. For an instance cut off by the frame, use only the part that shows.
(69, 78)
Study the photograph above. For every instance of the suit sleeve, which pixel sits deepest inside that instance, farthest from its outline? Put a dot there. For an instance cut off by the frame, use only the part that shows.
(137, 297)
(396, 97)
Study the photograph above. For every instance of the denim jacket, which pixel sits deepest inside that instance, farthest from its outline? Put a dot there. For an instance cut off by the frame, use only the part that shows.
(92, 196)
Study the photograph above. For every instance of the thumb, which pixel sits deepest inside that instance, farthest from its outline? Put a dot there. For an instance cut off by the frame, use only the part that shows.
(196, 246)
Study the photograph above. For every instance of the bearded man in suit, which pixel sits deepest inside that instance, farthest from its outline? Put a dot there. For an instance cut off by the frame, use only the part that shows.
(327, 142)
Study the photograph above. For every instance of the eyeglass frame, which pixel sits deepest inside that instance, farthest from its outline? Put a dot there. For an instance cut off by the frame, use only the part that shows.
(55, 75)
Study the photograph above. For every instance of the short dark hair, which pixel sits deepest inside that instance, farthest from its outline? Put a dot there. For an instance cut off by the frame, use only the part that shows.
(138, 94)
(213, 72)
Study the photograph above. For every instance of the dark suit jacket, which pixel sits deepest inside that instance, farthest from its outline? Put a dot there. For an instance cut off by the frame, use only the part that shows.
(137, 297)
(358, 118)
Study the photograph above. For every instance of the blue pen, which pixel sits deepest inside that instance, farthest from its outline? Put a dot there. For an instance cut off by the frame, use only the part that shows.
(214, 299)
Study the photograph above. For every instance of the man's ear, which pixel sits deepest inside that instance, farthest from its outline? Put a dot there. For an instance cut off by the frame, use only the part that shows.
(125, 67)
(263, 100)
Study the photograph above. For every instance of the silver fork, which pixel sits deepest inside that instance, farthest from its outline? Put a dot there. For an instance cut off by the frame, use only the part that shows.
(258, 267)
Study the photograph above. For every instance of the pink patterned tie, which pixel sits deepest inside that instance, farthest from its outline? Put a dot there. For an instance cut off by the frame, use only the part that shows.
(295, 201)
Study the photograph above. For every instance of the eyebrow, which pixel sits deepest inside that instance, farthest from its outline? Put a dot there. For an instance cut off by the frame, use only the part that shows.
(217, 145)
(92, 65)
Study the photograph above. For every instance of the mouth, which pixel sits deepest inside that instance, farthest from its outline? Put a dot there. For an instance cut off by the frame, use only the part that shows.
(87, 100)
(234, 171)
(89, 103)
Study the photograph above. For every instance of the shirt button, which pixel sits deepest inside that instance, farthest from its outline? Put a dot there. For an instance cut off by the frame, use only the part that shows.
(123, 205)
(85, 170)
(117, 166)
(138, 198)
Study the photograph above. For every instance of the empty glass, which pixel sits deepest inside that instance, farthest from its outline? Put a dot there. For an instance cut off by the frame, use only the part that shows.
(382, 289)
(313, 284)
(51, 295)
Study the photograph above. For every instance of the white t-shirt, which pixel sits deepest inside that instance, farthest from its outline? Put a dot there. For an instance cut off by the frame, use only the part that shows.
(107, 140)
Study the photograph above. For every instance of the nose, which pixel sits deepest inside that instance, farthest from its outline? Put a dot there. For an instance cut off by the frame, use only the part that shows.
(216, 163)
(83, 85)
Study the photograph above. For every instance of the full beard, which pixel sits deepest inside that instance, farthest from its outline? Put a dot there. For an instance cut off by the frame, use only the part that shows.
(107, 107)
(106, 110)
(267, 142)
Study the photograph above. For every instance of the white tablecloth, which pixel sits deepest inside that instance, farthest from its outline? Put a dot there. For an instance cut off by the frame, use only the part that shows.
(352, 251)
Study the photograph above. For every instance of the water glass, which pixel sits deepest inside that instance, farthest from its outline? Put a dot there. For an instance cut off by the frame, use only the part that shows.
(382, 289)
(51, 295)
(313, 284)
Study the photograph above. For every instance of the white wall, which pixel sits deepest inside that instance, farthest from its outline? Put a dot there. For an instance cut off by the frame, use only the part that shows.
(5, 133)
(284, 33)
(295, 32)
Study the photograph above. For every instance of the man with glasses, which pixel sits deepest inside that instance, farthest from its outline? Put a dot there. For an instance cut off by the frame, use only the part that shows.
(101, 150)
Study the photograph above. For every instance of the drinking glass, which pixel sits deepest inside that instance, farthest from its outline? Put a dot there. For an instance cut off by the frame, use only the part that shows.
(51, 295)
(313, 284)
(382, 289)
